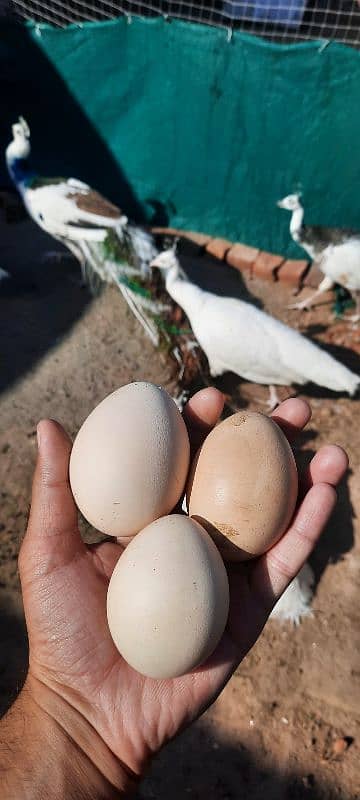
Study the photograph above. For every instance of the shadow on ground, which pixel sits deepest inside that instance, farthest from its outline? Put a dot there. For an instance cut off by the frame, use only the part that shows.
(39, 302)
(13, 649)
(198, 764)
(338, 538)
(38, 306)
(212, 274)
(212, 769)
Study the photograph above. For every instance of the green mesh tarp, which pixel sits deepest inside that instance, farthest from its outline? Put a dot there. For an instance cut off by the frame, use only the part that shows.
(180, 126)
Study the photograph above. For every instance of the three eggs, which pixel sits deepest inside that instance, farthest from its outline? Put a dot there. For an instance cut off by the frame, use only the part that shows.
(168, 597)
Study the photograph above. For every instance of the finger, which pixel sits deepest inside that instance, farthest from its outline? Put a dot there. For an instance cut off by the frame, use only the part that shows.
(52, 535)
(279, 566)
(329, 465)
(106, 555)
(201, 413)
(292, 415)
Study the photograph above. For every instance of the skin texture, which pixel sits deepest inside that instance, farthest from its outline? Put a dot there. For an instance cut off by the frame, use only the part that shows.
(107, 720)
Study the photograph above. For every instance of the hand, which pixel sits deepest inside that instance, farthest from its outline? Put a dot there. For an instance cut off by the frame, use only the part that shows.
(75, 672)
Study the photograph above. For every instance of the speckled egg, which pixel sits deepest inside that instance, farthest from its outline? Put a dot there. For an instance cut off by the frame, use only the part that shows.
(168, 598)
(243, 485)
(130, 460)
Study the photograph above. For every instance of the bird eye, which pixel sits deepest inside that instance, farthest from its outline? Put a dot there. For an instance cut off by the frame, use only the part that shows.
(41, 217)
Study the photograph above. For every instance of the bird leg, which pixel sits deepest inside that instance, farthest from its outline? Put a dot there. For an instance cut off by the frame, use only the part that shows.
(273, 400)
(324, 286)
(81, 257)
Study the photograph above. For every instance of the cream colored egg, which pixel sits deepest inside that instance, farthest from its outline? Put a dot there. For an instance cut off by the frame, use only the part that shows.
(130, 460)
(243, 485)
(168, 598)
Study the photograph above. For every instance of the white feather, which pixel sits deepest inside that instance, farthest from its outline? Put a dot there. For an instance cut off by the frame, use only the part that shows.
(339, 261)
(54, 208)
(294, 604)
(238, 337)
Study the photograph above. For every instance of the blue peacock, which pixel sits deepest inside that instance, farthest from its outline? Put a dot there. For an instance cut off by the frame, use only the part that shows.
(97, 233)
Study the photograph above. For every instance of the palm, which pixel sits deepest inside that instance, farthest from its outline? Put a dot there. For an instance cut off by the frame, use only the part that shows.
(64, 588)
(81, 660)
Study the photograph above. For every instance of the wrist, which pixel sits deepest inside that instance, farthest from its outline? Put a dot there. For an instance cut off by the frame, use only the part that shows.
(48, 749)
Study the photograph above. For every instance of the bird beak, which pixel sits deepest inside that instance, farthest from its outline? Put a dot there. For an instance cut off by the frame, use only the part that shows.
(280, 204)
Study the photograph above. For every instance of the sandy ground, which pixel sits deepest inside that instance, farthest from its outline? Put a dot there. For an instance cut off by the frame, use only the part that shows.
(273, 731)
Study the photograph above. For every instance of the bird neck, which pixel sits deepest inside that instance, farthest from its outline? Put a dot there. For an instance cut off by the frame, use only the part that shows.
(185, 294)
(296, 223)
(20, 171)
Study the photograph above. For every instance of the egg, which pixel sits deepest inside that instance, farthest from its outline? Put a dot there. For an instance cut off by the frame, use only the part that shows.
(168, 598)
(130, 460)
(243, 485)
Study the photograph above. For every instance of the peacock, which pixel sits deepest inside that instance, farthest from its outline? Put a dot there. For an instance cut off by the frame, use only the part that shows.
(92, 228)
(238, 337)
(336, 251)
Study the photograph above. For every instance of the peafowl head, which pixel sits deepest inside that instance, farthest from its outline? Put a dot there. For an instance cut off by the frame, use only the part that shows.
(168, 260)
(290, 203)
(20, 145)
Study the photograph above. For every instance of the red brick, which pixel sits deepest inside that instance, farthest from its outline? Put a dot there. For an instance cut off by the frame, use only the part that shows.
(167, 231)
(241, 256)
(292, 272)
(202, 239)
(218, 247)
(266, 264)
(313, 277)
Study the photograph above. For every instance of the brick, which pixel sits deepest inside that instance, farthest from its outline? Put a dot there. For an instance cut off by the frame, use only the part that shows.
(292, 272)
(166, 231)
(218, 247)
(266, 264)
(241, 256)
(313, 277)
(202, 239)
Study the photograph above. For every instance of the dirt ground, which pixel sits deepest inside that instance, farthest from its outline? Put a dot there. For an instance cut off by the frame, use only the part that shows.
(287, 725)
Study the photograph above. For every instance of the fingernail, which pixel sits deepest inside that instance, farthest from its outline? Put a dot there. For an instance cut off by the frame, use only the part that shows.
(38, 436)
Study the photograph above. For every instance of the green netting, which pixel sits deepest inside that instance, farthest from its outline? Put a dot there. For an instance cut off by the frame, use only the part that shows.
(182, 127)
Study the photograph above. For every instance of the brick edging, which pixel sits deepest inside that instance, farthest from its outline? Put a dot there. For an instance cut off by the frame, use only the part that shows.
(268, 266)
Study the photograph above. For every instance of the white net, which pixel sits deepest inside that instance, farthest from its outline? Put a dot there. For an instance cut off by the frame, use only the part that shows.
(277, 20)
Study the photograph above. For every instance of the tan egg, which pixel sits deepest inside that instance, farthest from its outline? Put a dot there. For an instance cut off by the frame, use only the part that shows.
(243, 485)
(168, 598)
(130, 460)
